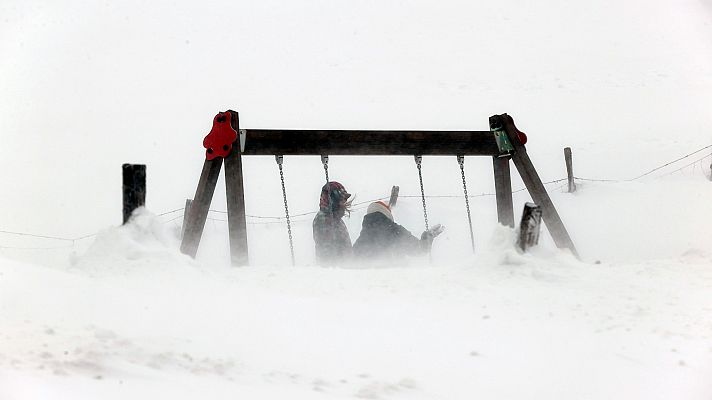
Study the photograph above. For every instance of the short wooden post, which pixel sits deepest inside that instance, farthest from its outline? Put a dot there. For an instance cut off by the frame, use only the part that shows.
(503, 190)
(569, 169)
(199, 207)
(134, 188)
(235, 191)
(394, 196)
(186, 210)
(530, 226)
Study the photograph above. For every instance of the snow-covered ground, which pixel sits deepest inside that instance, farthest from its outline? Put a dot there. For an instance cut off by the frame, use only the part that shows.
(87, 86)
(135, 319)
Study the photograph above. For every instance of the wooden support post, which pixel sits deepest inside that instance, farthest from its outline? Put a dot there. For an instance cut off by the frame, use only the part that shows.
(569, 169)
(200, 206)
(133, 188)
(503, 190)
(394, 196)
(535, 186)
(234, 188)
(186, 210)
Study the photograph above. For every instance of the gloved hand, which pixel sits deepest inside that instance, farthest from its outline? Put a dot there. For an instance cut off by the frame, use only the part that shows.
(426, 239)
(437, 229)
(431, 233)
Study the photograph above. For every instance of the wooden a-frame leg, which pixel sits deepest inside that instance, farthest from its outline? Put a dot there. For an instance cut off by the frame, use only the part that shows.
(533, 183)
(199, 207)
(541, 197)
(235, 191)
(503, 190)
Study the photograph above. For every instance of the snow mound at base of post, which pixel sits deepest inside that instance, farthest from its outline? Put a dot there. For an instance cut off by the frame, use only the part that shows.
(501, 259)
(140, 243)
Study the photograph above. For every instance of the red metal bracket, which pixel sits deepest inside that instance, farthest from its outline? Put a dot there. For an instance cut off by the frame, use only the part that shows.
(521, 136)
(220, 139)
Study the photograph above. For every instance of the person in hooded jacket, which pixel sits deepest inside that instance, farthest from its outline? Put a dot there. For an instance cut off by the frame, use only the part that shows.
(382, 238)
(331, 238)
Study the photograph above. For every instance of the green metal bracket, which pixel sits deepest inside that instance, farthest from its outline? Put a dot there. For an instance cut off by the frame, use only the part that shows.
(503, 143)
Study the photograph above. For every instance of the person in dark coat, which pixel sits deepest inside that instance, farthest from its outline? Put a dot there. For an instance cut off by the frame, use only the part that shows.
(331, 238)
(382, 238)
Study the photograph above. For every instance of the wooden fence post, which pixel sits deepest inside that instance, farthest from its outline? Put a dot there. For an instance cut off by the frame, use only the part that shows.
(569, 169)
(394, 196)
(134, 188)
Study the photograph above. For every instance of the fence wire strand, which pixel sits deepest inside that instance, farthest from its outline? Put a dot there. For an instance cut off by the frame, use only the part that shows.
(281, 220)
(694, 163)
(654, 169)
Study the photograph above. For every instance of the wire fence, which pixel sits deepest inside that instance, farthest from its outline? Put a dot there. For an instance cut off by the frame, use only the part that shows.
(70, 242)
(693, 163)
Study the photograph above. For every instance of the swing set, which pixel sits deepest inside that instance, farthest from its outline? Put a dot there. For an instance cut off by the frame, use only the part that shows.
(228, 143)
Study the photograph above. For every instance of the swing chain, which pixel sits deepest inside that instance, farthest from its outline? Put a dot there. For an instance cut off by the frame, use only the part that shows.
(280, 160)
(461, 161)
(418, 162)
(325, 162)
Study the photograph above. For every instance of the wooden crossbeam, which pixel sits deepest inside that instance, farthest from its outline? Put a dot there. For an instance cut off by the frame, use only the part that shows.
(373, 143)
